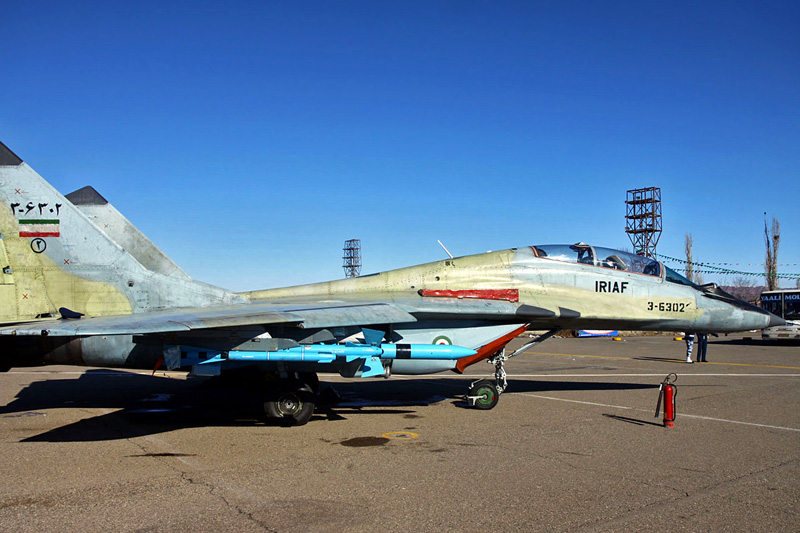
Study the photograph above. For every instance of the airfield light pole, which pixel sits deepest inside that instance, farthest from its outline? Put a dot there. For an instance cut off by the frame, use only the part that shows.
(352, 258)
(643, 219)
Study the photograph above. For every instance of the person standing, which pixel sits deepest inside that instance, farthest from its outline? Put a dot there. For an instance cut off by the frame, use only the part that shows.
(689, 338)
(702, 346)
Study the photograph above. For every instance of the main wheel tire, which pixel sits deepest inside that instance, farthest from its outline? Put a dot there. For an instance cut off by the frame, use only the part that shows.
(487, 394)
(291, 404)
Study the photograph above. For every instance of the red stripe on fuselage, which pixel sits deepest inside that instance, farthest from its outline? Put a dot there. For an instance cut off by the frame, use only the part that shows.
(510, 295)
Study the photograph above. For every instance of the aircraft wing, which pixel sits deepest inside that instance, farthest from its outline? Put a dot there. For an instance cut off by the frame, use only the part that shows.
(181, 320)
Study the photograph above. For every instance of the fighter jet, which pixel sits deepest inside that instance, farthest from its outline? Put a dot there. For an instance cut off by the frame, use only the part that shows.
(81, 285)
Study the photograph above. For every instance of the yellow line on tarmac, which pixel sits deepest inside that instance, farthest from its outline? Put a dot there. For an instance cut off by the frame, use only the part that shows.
(666, 360)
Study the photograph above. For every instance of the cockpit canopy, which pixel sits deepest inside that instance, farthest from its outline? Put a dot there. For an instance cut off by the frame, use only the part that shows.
(601, 257)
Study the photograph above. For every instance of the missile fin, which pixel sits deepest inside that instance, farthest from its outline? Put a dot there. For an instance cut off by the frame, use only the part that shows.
(372, 337)
(373, 366)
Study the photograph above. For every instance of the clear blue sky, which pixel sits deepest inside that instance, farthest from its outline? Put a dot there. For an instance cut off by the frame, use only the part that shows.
(250, 139)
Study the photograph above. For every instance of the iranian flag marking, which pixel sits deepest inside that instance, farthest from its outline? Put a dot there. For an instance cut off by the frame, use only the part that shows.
(39, 228)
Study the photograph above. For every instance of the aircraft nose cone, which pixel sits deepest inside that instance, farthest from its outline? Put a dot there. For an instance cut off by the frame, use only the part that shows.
(775, 320)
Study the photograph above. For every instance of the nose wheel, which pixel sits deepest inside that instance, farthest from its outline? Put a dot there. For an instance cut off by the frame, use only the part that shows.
(483, 394)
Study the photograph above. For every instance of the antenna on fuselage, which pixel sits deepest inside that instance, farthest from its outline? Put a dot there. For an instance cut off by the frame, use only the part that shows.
(444, 248)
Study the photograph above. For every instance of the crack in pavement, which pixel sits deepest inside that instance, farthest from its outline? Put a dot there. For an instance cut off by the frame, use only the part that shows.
(187, 478)
(686, 496)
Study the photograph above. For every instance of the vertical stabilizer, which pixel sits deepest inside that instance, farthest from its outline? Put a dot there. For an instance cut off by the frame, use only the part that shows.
(52, 255)
(120, 230)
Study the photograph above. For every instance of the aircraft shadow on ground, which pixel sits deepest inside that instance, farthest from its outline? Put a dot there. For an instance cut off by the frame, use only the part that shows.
(546, 385)
(144, 405)
(659, 359)
(755, 341)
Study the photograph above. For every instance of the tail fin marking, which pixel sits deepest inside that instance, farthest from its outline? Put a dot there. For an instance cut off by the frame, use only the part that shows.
(55, 256)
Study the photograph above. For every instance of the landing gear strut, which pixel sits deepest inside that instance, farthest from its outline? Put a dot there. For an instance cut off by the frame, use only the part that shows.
(484, 394)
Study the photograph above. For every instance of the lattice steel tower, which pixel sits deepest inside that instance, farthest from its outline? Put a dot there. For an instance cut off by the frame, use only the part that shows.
(352, 258)
(643, 219)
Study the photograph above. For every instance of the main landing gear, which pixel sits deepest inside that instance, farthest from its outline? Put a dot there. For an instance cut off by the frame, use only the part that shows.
(292, 400)
(485, 393)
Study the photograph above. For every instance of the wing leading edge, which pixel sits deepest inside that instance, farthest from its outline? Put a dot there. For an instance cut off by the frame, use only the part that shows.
(181, 320)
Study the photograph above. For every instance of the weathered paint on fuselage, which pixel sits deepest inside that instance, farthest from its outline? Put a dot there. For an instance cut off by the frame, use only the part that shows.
(552, 294)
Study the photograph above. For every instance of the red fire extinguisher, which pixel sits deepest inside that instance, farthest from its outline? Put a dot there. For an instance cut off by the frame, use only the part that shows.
(667, 393)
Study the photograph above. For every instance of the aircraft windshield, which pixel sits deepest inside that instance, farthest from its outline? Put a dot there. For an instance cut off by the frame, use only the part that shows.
(674, 277)
(602, 257)
(576, 253)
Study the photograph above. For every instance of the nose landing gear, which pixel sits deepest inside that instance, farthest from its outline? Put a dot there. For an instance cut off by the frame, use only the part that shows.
(483, 394)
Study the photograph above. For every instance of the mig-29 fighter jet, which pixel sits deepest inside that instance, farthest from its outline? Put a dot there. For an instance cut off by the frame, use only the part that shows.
(81, 285)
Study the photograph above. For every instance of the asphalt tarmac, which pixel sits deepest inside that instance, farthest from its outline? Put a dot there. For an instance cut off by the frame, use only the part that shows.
(572, 446)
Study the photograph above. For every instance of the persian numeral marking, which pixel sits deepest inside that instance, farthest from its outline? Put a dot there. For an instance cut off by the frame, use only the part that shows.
(38, 245)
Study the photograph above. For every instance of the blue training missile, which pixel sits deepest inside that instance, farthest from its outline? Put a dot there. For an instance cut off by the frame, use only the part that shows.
(328, 353)
(424, 351)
